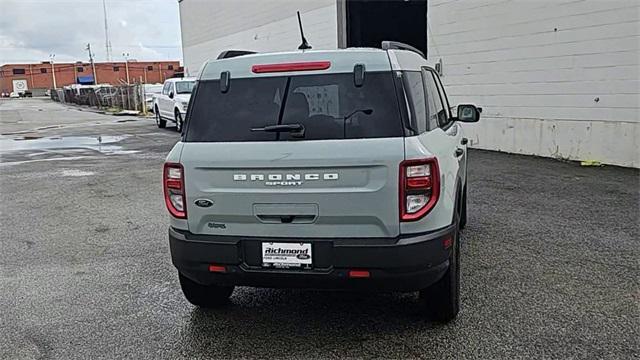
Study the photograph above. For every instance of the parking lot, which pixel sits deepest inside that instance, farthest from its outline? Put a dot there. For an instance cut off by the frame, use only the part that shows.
(550, 261)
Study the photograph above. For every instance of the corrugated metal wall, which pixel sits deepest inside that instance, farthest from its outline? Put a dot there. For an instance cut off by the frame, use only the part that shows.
(209, 27)
(555, 78)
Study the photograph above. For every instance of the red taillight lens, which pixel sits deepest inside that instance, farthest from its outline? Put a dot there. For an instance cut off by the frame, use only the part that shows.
(174, 195)
(293, 66)
(419, 188)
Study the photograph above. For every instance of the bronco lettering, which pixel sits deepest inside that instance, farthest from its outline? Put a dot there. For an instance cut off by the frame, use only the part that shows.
(286, 179)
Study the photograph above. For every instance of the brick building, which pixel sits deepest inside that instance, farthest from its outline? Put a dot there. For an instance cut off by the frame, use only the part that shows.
(39, 75)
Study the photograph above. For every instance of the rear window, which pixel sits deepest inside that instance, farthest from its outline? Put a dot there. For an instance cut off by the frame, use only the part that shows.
(328, 106)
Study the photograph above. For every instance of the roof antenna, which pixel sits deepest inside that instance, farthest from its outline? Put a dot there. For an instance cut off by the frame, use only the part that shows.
(305, 45)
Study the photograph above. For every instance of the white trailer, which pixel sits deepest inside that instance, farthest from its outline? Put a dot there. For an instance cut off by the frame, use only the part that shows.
(20, 86)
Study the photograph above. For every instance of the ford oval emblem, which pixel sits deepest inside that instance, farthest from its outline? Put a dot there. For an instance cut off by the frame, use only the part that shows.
(205, 203)
(303, 256)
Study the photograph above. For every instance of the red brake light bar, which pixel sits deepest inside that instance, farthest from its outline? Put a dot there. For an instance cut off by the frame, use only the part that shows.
(292, 66)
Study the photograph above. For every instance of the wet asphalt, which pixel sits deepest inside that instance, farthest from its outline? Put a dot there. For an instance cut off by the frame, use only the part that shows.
(550, 262)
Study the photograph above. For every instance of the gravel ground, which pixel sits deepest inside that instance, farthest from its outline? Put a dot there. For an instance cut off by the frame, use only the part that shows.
(550, 262)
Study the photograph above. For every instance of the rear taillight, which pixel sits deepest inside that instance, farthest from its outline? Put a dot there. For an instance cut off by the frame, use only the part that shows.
(419, 188)
(174, 195)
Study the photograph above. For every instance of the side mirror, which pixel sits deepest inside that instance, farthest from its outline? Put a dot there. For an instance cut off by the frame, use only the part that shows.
(171, 95)
(468, 113)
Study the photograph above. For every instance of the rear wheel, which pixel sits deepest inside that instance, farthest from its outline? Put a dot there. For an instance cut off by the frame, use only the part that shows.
(206, 296)
(178, 122)
(161, 123)
(441, 301)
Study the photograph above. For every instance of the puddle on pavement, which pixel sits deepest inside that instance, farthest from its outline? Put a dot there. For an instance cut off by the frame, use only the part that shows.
(103, 144)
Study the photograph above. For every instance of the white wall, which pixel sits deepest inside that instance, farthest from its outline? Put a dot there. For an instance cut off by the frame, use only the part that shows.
(555, 78)
(211, 26)
(536, 67)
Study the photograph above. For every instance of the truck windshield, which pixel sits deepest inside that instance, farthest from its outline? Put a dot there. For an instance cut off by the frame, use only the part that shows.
(327, 106)
(184, 87)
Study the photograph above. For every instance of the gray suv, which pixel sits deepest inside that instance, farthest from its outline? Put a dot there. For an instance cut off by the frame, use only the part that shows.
(339, 169)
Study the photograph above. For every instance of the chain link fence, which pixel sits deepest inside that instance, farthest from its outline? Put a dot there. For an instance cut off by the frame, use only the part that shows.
(121, 97)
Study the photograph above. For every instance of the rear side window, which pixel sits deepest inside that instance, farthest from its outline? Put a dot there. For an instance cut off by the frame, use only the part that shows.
(437, 113)
(414, 88)
(328, 106)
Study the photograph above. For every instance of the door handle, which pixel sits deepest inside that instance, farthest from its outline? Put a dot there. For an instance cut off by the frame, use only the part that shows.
(459, 152)
(464, 141)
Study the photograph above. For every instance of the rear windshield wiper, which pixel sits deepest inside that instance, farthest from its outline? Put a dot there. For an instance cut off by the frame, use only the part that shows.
(296, 130)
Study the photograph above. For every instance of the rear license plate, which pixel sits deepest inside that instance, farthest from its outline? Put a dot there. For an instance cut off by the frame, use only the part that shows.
(286, 255)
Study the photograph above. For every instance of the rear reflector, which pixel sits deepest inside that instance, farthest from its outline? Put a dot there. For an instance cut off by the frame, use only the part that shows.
(217, 268)
(447, 242)
(359, 274)
(294, 66)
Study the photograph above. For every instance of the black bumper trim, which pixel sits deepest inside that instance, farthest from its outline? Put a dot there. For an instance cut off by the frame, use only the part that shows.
(404, 263)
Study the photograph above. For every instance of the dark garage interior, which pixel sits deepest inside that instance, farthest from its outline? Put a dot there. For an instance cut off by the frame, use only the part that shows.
(371, 22)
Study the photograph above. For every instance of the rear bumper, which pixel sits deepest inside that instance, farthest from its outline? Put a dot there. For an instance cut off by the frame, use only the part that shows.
(405, 263)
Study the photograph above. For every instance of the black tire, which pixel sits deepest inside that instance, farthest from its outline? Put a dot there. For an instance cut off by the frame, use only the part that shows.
(206, 296)
(159, 121)
(179, 122)
(441, 301)
(463, 207)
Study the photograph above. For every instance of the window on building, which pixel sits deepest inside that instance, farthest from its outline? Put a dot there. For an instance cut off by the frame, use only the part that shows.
(17, 71)
(150, 67)
(116, 68)
(170, 67)
(43, 70)
(80, 69)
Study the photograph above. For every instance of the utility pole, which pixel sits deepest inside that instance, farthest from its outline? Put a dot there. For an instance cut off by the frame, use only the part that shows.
(93, 66)
(126, 65)
(53, 70)
(31, 75)
(107, 43)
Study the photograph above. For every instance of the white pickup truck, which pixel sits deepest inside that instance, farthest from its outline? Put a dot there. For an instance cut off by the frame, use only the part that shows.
(172, 103)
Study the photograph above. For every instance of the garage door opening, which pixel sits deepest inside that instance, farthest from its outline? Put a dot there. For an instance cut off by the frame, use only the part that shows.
(368, 23)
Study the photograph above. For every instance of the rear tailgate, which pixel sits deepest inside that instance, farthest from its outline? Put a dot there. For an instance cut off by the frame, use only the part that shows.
(332, 188)
(335, 176)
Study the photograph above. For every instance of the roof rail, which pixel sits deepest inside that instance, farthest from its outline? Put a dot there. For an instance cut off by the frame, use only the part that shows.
(233, 53)
(387, 45)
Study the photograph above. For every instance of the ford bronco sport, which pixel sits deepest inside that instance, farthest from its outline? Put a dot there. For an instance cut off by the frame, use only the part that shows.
(337, 169)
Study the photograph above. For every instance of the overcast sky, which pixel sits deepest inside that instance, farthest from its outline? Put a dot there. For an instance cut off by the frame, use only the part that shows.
(30, 30)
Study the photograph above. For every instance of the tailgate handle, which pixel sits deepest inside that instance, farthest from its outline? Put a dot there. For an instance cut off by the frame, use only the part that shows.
(286, 213)
(287, 219)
